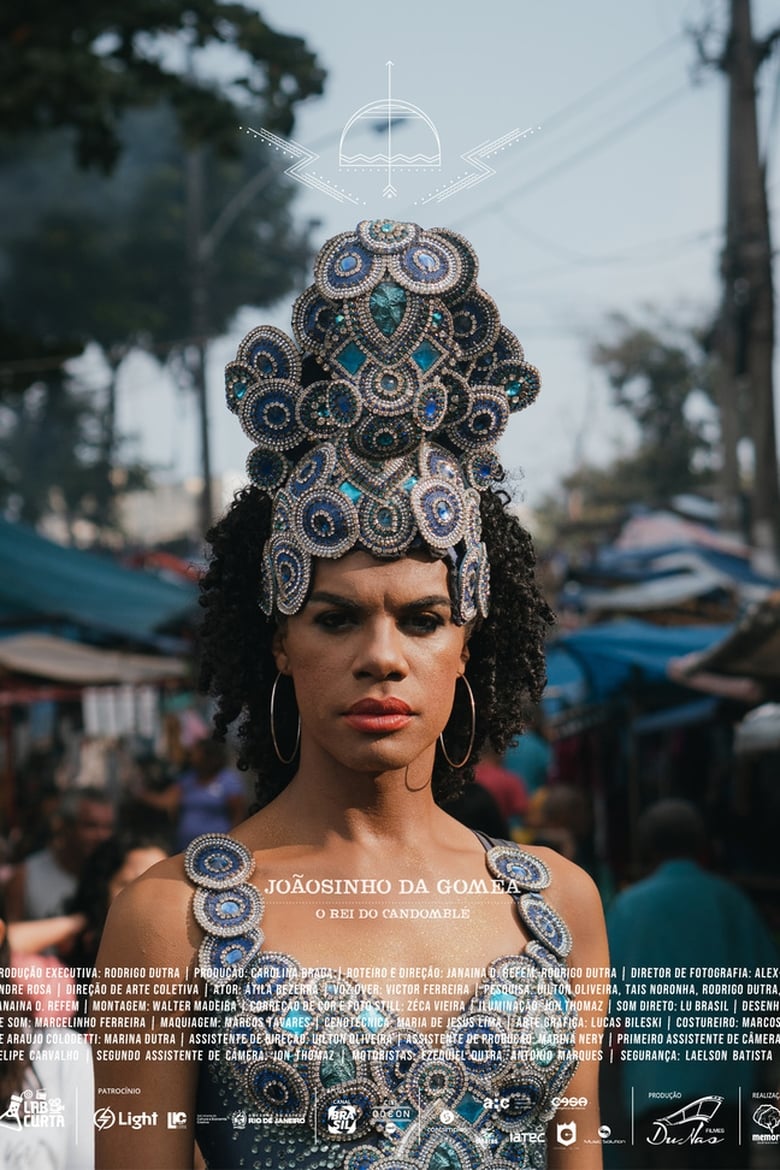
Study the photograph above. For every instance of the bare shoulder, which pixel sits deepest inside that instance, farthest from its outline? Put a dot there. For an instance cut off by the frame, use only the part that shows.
(151, 920)
(571, 889)
(574, 894)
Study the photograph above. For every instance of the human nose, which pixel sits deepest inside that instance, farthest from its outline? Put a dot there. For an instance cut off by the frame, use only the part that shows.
(381, 651)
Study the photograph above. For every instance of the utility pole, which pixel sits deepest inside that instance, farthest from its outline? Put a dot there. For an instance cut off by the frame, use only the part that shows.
(745, 332)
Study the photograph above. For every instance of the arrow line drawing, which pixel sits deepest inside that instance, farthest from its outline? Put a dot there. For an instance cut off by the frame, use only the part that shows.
(305, 158)
(481, 169)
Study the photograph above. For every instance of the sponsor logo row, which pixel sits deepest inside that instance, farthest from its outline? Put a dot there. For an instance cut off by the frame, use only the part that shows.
(692, 1123)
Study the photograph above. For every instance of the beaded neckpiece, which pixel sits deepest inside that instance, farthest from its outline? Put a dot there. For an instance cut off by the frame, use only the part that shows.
(378, 429)
(329, 1070)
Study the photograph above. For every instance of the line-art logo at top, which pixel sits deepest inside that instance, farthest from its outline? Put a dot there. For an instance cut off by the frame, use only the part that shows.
(406, 142)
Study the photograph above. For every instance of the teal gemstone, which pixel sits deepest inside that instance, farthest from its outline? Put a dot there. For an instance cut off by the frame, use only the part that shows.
(338, 1066)
(372, 1019)
(385, 439)
(351, 358)
(437, 316)
(350, 491)
(239, 390)
(297, 1021)
(409, 483)
(469, 1107)
(513, 389)
(387, 304)
(339, 319)
(385, 518)
(387, 226)
(444, 1157)
(502, 1001)
(425, 355)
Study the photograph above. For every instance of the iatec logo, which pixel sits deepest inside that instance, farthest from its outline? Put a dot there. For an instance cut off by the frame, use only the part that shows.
(342, 1117)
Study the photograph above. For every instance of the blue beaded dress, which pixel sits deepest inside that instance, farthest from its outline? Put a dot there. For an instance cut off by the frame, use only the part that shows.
(307, 1069)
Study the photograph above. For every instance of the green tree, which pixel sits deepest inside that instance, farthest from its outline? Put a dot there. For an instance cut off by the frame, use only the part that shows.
(107, 262)
(81, 66)
(101, 109)
(52, 459)
(661, 373)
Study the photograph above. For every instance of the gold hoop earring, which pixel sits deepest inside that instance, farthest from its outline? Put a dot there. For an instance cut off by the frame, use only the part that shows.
(470, 748)
(289, 759)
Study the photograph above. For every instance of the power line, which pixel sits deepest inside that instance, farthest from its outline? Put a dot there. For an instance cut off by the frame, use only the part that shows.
(587, 151)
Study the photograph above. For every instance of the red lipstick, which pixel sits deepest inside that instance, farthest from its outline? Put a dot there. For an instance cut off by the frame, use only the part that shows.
(378, 716)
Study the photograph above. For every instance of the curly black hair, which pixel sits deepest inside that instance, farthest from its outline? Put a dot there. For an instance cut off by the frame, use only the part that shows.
(506, 660)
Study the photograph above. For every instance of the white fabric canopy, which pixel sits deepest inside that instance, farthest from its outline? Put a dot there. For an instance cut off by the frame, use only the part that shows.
(46, 656)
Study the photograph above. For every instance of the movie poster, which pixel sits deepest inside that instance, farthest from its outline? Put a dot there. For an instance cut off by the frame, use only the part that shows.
(568, 143)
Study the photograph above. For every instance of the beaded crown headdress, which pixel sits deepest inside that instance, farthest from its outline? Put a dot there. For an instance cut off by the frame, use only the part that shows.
(378, 429)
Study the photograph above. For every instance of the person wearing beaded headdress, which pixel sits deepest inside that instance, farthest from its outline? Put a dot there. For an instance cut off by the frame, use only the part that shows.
(385, 989)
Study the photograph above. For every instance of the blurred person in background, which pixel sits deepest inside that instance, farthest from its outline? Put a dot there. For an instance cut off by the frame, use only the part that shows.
(506, 787)
(43, 882)
(531, 756)
(476, 807)
(682, 917)
(209, 797)
(146, 806)
(113, 865)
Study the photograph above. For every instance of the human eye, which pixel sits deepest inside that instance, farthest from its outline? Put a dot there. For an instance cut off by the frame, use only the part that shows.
(334, 620)
(423, 623)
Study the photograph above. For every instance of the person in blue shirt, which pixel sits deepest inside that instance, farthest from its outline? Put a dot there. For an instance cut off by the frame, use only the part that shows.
(683, 1054)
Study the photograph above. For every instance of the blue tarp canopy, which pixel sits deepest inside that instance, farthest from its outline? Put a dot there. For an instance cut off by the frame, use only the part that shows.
(41, 582)
(592, 664)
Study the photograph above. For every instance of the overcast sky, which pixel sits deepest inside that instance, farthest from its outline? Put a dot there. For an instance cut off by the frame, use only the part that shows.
(614, 202)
